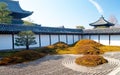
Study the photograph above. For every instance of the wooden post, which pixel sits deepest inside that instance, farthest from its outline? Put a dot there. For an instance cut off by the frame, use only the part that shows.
(89, 37)
(13, 47)
(73, 39)
(50, 39)
(59, 37)
(99, 38)
(79, 37)
(66, 38)
(109, 39)
(39, 40)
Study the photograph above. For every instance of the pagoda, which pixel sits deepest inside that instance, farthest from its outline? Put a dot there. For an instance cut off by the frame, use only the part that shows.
(16, 11)
(101, 23)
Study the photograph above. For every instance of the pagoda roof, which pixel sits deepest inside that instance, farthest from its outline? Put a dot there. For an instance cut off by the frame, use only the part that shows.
(15, 8)
(5, 28)
(101, 22)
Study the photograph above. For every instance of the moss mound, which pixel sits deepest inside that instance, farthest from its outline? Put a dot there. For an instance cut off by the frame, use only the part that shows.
(52, 49)
(87, 42)
(88, 47)
(90, 60)
(22, 56)
(59, 45)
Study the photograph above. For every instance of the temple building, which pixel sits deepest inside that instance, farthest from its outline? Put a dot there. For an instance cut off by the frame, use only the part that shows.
(17, 12)
(101, 23)
(45, 36)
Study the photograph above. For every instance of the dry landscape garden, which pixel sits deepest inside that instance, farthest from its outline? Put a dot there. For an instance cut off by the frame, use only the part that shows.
(85, 57)
(27, 48)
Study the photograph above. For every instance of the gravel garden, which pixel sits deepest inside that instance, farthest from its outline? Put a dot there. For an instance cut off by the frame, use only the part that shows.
(85, 57)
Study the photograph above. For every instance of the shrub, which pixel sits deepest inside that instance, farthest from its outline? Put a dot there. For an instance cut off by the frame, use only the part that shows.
(22, 56)
(90, 60)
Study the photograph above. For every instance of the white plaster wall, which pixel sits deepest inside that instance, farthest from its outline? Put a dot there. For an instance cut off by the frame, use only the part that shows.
(63, 38)
(37, 40)
(5, 41)
(45, 40)
(54, 39)
(76, 38)
(79, 37)
(94, 37)
(85, 36)
(104, 39)
(70, 39)
(115, 40)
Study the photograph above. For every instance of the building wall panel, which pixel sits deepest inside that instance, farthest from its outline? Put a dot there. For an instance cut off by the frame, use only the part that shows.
(70, 39)
(54, 39)
(85, 36)
(94, 37)
(45, 40)
(5, 41)
(115, 40)
(76, 38)
(104, 39)
(63, 38)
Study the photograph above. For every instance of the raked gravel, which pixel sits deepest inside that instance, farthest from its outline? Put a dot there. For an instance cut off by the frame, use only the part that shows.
(54, 65)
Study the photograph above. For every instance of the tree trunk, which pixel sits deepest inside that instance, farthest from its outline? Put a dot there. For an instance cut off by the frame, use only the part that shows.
(27, 44)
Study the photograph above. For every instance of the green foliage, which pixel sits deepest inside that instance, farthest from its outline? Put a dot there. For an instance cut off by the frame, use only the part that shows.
(4, 14)
(22, 56)
(90, 60)
(25, 38)
(28, 23)
(80, 27)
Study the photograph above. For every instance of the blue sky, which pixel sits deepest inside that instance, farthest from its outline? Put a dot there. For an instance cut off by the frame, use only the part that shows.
(70, 13)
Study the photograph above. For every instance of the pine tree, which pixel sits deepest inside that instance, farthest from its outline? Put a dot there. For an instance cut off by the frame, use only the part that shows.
(4, 14)
(25, 38)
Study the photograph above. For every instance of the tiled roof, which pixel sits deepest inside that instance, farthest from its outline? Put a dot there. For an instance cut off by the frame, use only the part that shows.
(101, 21)
(102, 31)
(37, 29)
(14, 7)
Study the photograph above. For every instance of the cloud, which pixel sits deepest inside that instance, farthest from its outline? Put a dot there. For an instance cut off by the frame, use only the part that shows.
(99, 8)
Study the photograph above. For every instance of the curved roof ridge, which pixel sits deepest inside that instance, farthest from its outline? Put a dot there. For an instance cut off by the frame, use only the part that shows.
(15, 7)
(101, 21)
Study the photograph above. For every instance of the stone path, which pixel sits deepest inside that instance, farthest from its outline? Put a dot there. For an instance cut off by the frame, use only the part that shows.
(49, 65)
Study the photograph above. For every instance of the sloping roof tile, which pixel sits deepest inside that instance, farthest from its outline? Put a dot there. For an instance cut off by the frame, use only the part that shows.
(101, 21)
(37, 29)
